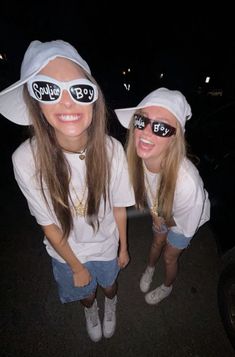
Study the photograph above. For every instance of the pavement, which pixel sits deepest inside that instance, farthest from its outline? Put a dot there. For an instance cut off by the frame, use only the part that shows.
(35, 324)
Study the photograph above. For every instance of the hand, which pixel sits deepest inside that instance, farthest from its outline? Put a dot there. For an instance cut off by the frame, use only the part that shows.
(82, 277)
(158, 221)
(123, 258)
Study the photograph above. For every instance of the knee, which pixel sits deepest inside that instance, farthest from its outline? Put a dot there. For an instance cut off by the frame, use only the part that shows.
(169, 259)
(110, 291)
(158, 244)
(88, 302)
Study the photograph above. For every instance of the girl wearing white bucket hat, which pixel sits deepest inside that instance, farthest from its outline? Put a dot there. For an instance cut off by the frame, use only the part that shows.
(164, 179)
(73, 175)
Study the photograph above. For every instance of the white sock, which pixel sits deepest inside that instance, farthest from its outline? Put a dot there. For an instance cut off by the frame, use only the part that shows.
(150, 269)
(166, 288)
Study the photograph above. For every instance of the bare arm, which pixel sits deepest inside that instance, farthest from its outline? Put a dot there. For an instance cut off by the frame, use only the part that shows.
(81, 275)
(121, 220)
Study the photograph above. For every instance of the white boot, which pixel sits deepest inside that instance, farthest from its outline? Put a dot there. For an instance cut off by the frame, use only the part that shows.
(109, 323)
(93, 324)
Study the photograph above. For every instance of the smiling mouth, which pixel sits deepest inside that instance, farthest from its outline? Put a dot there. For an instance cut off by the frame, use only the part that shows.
(145, 141)
(69, 117)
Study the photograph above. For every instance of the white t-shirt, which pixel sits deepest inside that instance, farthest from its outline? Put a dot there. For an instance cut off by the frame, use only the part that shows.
(191, 205)
(86, 244)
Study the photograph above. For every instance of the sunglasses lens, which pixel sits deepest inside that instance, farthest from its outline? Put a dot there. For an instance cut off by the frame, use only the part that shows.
(83, 93)
(162, 129)
(139, 122)
(158, 128)
(45, 91)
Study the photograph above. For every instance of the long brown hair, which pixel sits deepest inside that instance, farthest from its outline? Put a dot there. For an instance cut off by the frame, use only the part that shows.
(53, 169)
(169, 172)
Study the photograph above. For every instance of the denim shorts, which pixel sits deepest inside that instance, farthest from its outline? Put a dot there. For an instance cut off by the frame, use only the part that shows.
(104, 273)
(178, 240)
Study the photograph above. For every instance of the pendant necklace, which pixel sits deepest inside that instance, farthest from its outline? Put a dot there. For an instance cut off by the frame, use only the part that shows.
(81, 154)
(153, 198)
(79, 205)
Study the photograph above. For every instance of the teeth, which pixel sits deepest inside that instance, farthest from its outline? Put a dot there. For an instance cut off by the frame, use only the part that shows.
(69, 117)
(146, 141)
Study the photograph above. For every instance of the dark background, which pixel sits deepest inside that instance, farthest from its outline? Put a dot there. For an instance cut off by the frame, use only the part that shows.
(186, 43)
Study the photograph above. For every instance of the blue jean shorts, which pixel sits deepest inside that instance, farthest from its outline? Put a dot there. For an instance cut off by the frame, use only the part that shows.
(103, 273)
(178, 240)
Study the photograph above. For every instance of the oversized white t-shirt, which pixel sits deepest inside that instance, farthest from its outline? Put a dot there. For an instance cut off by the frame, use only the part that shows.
(85, 243)
(191, 205)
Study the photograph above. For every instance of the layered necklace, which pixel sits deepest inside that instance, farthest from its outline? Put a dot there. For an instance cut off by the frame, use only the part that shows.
(80, 206)
(152, 197)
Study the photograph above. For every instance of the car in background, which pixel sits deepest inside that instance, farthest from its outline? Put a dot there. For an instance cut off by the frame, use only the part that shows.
(211, 136)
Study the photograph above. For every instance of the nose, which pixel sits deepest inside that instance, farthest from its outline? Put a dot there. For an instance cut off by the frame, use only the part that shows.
(148, 128)
(66, 99)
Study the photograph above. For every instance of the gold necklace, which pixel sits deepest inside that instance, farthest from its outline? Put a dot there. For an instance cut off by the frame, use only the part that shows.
(80, 207)
(154, 199)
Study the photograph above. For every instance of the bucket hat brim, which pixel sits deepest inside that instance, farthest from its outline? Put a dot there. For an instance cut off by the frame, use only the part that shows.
(37, 56)
(172, 100)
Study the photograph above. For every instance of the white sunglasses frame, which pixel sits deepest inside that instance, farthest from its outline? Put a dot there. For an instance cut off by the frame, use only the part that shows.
(62, 86)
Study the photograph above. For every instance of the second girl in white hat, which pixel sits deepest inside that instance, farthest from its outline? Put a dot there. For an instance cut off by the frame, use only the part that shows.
(166, 179)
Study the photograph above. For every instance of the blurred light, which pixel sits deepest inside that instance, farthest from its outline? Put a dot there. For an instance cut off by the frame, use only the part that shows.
(3, 57)
(217, 92)
(207, 79)
(124, 72)
(161, 75)
(128, 70)
(127, 86)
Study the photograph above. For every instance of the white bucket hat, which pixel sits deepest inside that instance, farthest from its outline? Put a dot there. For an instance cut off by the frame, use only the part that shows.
(172, 100)
(37, 56)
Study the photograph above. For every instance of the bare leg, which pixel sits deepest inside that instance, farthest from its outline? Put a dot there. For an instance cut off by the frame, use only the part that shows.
(159, 241)
(88, 302)
(171, 256)
(110, 291)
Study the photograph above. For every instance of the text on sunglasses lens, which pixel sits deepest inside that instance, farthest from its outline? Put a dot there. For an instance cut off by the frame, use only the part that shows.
(158, 128)
(48, 90)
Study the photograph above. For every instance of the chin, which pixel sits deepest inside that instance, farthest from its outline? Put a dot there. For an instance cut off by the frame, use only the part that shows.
(143, 154)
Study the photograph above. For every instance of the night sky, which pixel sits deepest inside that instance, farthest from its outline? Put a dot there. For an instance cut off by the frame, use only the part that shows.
(183, 42)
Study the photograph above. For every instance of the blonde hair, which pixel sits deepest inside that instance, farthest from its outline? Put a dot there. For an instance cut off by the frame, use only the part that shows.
(169, 172)
(53, 169)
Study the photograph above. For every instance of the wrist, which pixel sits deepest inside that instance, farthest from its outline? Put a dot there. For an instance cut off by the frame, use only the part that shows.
(77, 268)
(123, 249)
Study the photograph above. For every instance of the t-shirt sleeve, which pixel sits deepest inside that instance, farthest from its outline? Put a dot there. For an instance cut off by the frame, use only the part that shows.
(121, 189)
(190, 206)
(25, 178)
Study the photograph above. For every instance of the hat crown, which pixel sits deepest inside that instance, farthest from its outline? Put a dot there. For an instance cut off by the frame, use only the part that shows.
(40, 53)
(37, 56)
(173, 100)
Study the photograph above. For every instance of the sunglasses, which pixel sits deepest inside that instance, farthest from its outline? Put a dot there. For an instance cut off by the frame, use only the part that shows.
(47, 90)
(158, 128)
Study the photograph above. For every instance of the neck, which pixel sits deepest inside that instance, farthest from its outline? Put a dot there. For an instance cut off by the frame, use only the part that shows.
(82, 151)
(72, 144)
(153, 166)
